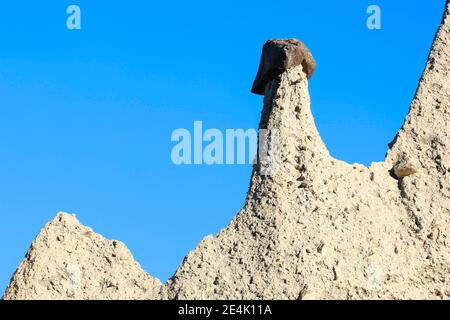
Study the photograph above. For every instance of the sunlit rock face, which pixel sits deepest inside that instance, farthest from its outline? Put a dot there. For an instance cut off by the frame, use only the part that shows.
(313, 227)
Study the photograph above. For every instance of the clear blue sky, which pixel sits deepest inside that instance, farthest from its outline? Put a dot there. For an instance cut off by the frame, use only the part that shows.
(86, 116)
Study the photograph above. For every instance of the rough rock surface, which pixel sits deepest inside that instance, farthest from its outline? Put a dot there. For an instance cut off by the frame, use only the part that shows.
(279, 55)
(317, 228)
(69, 261)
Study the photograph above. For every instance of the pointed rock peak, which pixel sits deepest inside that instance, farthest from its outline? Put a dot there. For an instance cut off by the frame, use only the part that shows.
(425, 133)
(279, 55)
(65, 219)
(67, 260)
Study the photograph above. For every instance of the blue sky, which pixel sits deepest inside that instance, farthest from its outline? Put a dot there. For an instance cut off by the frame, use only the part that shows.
(86, 116)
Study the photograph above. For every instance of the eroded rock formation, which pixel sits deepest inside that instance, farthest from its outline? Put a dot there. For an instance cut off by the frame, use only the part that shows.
(317, 228)
(69, 261)
(279, 55)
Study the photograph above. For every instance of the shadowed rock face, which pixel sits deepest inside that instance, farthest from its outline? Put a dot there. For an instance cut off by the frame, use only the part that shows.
(316, 228)
(278, 56)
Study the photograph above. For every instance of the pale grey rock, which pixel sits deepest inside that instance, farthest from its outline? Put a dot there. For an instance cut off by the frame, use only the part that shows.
(69, 261)
(317, 228)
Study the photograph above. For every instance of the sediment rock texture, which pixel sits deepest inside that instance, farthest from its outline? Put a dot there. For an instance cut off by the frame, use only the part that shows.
(316, 228)
(69, 261)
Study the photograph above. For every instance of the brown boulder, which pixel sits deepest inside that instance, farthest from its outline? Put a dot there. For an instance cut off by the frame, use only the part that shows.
(277, 56)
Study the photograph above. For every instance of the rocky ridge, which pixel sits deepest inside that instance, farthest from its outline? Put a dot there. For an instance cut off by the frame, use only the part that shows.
(315, 228)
